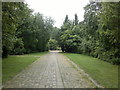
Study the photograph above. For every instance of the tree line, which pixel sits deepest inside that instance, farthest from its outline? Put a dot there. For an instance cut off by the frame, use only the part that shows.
(97, 35)
(22, 31)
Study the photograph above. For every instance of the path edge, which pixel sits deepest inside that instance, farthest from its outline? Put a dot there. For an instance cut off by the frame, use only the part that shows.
(21, 71)
(84, 73)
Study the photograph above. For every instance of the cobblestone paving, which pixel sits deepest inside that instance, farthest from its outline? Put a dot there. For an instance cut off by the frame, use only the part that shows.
(50, 71)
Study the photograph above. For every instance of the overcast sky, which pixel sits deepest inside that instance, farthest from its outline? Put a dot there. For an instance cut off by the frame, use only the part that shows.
(58, 9)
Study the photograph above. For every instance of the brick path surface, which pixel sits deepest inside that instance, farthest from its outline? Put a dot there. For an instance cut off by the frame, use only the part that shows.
(50, 71)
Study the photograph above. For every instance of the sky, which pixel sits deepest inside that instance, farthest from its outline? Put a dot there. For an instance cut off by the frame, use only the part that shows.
(58, 9)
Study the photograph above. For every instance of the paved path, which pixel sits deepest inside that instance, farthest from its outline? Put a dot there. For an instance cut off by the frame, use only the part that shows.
(50, 71)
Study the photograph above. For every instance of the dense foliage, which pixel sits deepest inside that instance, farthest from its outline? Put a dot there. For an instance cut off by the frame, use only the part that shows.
(97, 35)
(24, 32)
(53, 45)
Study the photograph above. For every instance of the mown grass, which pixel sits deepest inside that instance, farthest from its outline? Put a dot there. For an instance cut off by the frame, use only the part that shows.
(16, 63)
(104, 73)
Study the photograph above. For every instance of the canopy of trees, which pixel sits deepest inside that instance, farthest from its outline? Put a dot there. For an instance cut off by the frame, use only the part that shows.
(24, 32)
(97, 35)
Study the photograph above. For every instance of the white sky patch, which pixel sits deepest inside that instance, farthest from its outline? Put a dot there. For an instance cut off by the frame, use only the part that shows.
(58, 9)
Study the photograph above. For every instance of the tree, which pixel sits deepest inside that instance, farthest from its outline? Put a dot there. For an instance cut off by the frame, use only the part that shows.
(53, 45)
(91, 26)
(70, 41)
(97, 35)
(13, 13)
(66, 19)
(109, 33)
(76, 19)
(24, 32)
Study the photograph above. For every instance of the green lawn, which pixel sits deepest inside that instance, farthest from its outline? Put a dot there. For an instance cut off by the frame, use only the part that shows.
(104, 73)
(15, 63)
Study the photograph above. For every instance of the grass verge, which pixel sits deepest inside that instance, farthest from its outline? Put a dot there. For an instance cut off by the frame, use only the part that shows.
(16, 63)
(104, 73)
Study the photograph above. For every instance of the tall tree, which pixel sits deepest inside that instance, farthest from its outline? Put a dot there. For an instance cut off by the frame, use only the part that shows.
(24, 32)
(66, 19)
(109, 32)
(76, 19)
(13, 14)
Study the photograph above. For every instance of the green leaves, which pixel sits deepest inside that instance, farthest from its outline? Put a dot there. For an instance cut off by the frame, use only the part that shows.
(24, 32)
(53, 45)
(97, 35)
(11, 13)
